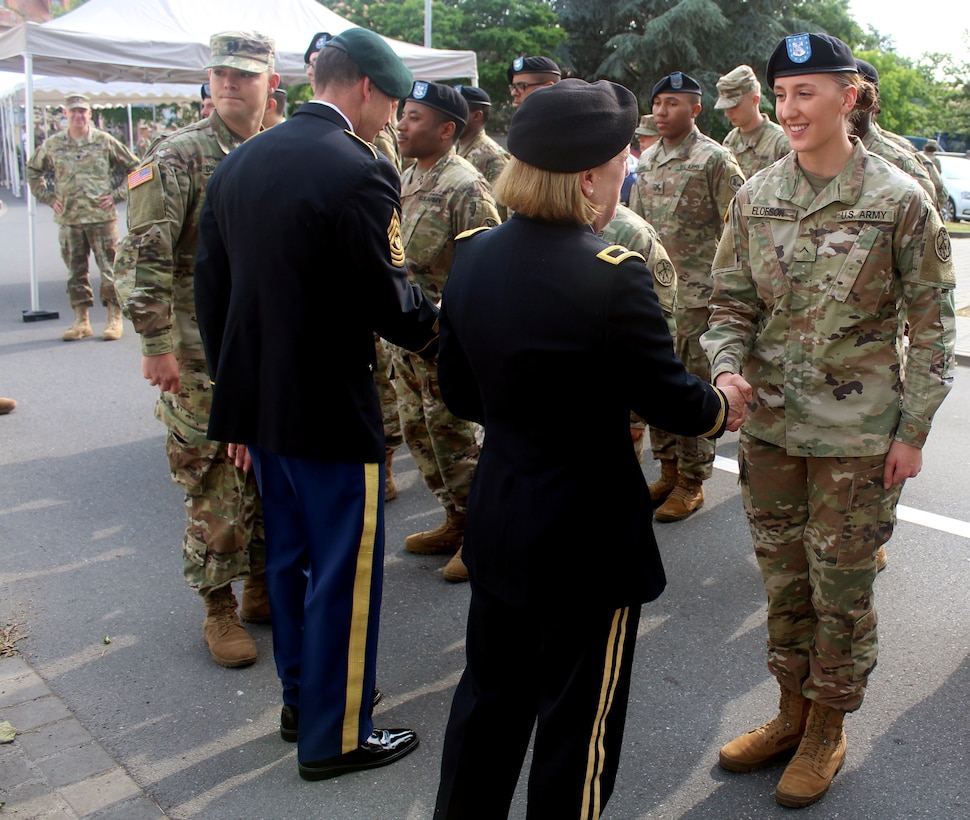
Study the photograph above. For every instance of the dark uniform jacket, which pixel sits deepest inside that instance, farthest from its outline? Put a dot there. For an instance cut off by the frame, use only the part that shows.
(549, 338)
(300, 261)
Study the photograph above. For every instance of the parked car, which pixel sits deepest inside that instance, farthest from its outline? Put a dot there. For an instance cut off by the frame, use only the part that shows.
(955, 170)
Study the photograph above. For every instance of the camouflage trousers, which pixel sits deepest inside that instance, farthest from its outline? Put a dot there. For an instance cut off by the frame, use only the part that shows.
(816, 525)
(77, 243)
(695, 456)
(224, 535)
(443, 445)
(383, 375)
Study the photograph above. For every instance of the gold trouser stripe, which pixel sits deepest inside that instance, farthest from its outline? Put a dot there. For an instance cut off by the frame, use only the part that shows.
(360, 613)
(596, 755)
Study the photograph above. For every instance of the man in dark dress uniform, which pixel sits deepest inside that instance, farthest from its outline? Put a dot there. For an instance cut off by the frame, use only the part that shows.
(315, 434)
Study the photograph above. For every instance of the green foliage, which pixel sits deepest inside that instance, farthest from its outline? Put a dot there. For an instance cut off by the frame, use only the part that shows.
(497, 30)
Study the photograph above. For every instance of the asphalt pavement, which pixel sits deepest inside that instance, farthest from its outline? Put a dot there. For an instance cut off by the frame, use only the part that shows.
(121, 713)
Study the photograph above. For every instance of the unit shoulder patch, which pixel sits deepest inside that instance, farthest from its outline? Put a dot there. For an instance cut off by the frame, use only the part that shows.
(617, 254)
(362, 141)
(473, 231)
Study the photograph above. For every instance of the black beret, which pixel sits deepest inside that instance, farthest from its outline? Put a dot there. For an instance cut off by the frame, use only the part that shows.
(473, 94)
(677, 83)
(573, 125)
(531, 65)
(376, 59)
(442, 98)
(809, 54)
(316, 44)
(205, 92)
(868, 70)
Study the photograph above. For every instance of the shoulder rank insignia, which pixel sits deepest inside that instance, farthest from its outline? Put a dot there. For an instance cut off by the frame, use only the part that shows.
(362, 141)
(141, 176)
(615, 254)
(473, 231)
(394, 240)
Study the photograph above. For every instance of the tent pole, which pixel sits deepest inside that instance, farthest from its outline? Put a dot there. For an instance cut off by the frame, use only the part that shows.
(131, 133)
(427, 23)
(35, 314)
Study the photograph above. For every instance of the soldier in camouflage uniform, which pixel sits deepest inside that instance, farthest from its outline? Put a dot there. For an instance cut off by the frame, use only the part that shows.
(636, 234)
(646, 132)
(83, 163)
(684, 185)
(755, 140)
(824, 258)
(894, 148)
(475, 145)
(442, 196)
(224, 538)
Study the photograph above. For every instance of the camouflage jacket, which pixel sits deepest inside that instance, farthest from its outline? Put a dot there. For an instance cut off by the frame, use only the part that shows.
(155, 261)
(684, 193)
(449, 199)
(810, 298)
(636, 234)
(386, 143)
(877, 143)
(486, 155)
(758, 148)
(83, 171)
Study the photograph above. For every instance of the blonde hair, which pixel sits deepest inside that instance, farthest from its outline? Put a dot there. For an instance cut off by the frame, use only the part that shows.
(545, 195)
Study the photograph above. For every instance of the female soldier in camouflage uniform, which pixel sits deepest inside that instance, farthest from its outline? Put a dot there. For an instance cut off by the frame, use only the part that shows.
(825, 256)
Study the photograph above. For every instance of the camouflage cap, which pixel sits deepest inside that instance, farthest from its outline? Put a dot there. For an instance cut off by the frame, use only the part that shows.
(77, 101)
(734, 85)
(647, 127)
(243, 50)
(931, 147)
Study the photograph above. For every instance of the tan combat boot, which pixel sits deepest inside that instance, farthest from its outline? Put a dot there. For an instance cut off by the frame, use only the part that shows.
(882, 560)
(819, 757)
(455, 570)
(662, 487)
(686, 498)
(775, 740)
(255, 599)
(229, 644)
(390, 488)
(7, 406)
(81, 328)
(444, 539)
(114, 328)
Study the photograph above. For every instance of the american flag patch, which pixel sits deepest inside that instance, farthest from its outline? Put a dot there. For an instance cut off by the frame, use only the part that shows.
(136, 178)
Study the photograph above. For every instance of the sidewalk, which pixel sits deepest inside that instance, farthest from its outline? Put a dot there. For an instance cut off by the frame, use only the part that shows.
(961, 298)
(54, 768)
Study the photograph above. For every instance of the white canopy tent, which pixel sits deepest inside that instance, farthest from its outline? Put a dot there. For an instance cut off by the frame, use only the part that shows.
(52, 91)
(168, 41)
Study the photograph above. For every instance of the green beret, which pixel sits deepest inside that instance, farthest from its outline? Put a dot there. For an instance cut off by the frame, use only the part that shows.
(376, 59)
(573, 125)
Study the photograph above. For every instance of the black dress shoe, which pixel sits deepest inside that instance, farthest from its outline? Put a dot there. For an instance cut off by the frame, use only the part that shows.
(382, 747)
(290, 718)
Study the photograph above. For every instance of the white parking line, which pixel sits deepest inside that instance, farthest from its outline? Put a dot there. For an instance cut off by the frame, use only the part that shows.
(924, 519)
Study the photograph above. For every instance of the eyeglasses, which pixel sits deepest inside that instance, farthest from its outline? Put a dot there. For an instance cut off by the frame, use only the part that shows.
(523, 87)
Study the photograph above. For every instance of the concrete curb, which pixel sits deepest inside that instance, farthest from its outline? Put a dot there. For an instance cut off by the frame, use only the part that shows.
(54, 767)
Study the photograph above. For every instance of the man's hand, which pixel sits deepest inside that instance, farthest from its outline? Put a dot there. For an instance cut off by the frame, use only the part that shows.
(902, 461)
(106, 202)
(57, 207)
(162, 371)
(636, 433)
(239, 454)
(738, 392)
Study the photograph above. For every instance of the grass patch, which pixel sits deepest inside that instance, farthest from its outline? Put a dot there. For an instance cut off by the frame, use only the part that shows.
(958, 227)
